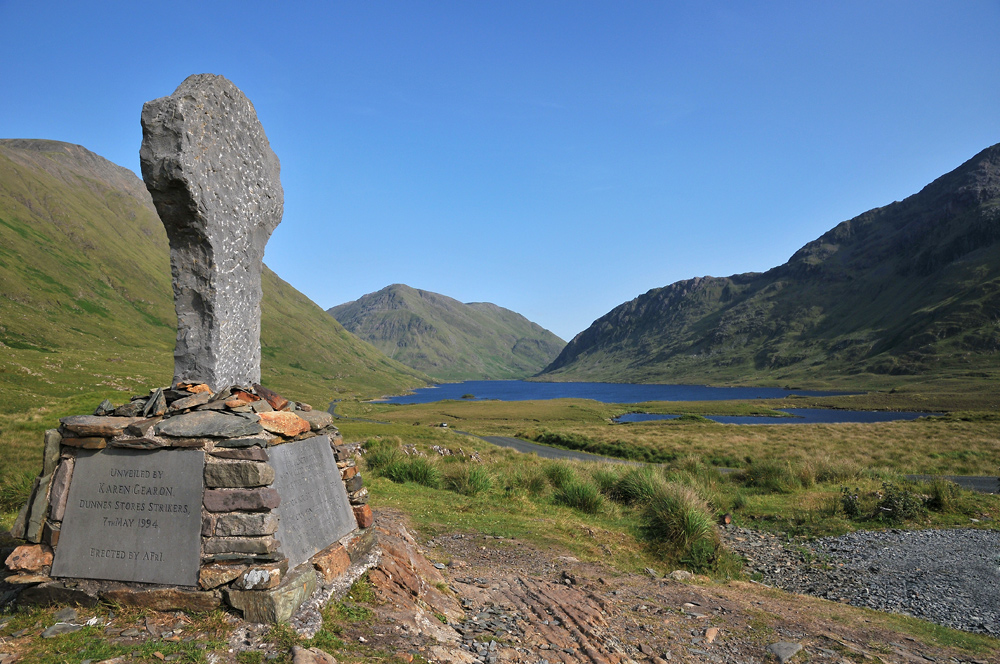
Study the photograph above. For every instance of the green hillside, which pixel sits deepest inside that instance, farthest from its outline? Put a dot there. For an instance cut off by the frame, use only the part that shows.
(905, 293)
(86, 306)
(447, 339)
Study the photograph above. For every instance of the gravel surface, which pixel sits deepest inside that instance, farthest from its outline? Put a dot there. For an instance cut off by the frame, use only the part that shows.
(949, 577)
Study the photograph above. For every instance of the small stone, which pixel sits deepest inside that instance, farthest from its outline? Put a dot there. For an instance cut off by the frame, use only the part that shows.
(50, 455)
(60, 628)
(239, 443)
(303, 407)
(246, 454)
(260, 577)
(164, 599)
(276, 604)
(198, 388)
(261, 406)
(710, 634)
(93, 425)
(59, 494)
(302, 655)
(651, 572)
(247, 500)
(284, 423)
(133, 408)
(27, 579)
(57, 592)
(213, 576)
(331, 562)
(681, 575)
(141, 428)
(243, 545)
(317, 419)
(104, 408)
(349, 472)
(363, 515)
(243, 524)
(29, 558)
(210, 423)
(86, 443)
(192, 401)
(68, 614)
(784, 650)
(238, 474)
(277, 401)
(157, 404)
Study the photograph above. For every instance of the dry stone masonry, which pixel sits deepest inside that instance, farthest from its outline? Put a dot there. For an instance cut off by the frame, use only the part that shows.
(204, 501)
(215, 183)
(215, 488)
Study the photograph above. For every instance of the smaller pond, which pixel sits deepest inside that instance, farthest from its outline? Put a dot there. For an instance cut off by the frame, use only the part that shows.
(800, 416)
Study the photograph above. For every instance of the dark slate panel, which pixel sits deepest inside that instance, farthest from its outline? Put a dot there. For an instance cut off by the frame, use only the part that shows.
(314, 510)
(133, 515)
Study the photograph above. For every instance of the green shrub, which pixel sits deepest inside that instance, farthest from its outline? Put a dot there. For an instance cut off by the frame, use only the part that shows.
(580, 495)
(850, 502)
(898, 504)
(678, 518)
(414, 469)
(770, 475)
(380, 453)
(606, 476)
(943, 496)
(469, 480)
(560, 474)
(637, 486)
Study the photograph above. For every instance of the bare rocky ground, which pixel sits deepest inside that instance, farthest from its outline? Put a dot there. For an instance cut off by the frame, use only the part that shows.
(507, 601)
(469, 598)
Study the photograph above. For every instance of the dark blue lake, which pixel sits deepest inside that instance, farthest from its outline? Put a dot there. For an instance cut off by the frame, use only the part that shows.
(801, 416)
(519, 390)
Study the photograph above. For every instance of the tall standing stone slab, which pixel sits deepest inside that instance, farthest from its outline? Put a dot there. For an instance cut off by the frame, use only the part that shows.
(133, 516)
(215, 183)
(314, 510)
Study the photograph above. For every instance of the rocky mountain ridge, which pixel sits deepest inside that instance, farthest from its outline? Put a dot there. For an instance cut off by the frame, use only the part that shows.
(910, 289)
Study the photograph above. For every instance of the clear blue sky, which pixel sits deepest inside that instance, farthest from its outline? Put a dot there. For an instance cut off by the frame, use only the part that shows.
(555, 158)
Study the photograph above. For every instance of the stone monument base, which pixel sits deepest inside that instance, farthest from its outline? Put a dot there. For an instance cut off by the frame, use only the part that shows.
(189, 500)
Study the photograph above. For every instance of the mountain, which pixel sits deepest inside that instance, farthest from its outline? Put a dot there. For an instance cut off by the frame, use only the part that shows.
(909, 289)
(86, 305)
(447, 339)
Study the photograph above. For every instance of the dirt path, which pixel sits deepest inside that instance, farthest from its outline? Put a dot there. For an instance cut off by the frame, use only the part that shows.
(506, 601)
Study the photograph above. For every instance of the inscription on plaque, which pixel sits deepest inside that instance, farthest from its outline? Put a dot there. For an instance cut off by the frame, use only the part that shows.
(314, 510)
(133, 516)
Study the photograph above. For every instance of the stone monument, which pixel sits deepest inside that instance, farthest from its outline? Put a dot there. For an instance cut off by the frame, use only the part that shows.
(215, 488)
(215, 183)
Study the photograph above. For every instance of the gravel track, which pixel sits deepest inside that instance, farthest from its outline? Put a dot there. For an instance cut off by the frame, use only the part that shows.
(949, 577)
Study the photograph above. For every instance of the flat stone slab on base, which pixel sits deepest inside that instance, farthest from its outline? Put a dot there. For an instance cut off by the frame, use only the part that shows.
(278, 604)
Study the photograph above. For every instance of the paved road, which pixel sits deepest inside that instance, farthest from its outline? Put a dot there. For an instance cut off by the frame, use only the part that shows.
(980, 483)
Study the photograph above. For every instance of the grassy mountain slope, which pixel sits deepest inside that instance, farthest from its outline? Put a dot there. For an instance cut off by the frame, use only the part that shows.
(902, 293)
(446, 338)
(85, 299)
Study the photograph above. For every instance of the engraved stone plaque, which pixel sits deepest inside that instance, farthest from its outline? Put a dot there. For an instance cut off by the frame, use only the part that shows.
(133, 515)
(314, 510)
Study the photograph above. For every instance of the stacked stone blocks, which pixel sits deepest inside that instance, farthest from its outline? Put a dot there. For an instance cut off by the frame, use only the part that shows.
(241, 558)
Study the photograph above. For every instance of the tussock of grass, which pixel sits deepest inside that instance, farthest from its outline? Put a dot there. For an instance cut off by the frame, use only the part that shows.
(580, 495)
(469, 479)
(678, 518)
